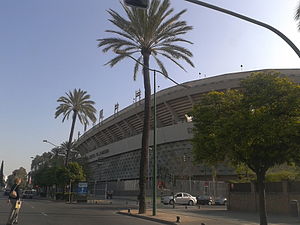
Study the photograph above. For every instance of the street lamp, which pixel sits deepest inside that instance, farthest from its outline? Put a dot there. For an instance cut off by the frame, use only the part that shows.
(137, 3)
(46, 141)
(144, 4)
(154, 157)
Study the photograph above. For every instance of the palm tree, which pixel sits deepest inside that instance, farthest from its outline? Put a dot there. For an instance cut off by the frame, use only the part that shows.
(150, 32)
(77, 102)
(297, 16)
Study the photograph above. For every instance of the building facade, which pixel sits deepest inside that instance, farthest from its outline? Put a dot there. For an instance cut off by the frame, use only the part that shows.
(112, 147)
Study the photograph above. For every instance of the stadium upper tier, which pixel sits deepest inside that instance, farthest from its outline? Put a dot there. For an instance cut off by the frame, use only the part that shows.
(172, 106)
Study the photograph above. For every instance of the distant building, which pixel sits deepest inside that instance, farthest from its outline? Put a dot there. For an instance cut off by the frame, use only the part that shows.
(112, 147)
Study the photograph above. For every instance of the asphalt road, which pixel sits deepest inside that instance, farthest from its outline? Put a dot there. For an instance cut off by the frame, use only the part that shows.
(45, 212)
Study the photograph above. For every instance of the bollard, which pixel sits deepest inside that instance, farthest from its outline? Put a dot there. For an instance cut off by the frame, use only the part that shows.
(128, 210)
(177, 219)
(110, 203)
(199, 207)
(185, 207)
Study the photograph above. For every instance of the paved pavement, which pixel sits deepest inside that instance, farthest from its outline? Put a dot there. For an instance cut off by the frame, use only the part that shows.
(193, 215)
(40, 212)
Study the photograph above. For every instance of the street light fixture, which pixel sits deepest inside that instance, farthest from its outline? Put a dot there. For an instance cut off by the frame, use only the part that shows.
(46, 141)
(137, 3)
(154, 156)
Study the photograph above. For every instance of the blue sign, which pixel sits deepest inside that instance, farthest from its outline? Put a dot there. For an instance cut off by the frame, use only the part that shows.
(82, 188)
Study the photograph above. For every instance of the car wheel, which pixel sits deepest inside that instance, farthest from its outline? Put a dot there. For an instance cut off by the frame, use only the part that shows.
(191, 202)
(171, 202)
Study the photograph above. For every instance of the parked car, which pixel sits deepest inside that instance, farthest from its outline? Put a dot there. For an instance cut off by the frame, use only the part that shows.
(28, 194)
(204, 200)
(179, 198)
(221, 201)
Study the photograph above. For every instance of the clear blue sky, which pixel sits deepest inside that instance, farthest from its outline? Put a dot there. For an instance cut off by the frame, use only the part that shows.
(48, 47)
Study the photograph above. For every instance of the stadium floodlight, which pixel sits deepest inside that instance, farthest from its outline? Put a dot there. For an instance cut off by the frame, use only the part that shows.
(137, 3)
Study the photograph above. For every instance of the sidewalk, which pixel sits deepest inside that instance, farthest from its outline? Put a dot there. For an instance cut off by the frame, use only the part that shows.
(197, 217)
(193, 215)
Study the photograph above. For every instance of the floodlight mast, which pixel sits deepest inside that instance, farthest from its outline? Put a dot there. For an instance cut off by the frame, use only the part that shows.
(145, 3)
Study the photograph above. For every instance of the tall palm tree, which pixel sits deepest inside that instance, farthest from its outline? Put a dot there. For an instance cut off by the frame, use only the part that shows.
(150, 32)
(297, 16)
(78, 104)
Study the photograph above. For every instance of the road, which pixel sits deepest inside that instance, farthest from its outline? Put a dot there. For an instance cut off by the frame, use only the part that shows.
(45, 212)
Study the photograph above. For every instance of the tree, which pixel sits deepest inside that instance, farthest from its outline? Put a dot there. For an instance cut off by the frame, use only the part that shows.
(297, 16)
(150, 32)
(20, 173)
(47, 176)
(257, 126)
(79, 104)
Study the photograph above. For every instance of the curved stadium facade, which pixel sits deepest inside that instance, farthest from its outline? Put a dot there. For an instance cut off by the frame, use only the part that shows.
(112, 147)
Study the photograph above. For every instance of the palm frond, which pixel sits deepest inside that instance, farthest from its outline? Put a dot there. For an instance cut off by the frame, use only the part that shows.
(155, 31)
(179, 49)
(174, 61)
(121, 34)
(297, 16)
(115, 60)
(76, 101)
(114, 43)
(172, 40)
(176, 54)
(169, 22)
(161, 66)
(136, 68)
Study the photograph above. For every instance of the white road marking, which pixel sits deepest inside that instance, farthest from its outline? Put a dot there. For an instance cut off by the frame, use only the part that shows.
(44, 214)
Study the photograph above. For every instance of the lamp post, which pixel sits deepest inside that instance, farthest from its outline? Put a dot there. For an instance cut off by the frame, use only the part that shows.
(46, 141)
(154, 188)
(137, 3)
(144, 4)
(154, 156)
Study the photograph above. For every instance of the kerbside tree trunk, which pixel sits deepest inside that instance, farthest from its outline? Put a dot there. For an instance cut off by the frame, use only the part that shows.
(145, 136)
(262, 198)
(71, 137)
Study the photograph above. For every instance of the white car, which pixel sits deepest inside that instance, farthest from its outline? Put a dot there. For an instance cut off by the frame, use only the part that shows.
(179, 198)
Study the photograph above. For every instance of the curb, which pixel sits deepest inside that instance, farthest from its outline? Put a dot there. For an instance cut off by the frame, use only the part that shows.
(148, 218)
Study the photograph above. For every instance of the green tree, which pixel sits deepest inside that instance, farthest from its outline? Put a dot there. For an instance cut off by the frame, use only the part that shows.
(78, 104)
(150, 32)
(46, 176)
(58, 155)
(20, 173)
(257, 126)
(59, 175)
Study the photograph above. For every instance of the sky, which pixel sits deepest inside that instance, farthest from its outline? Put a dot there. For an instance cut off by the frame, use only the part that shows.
(49, 47)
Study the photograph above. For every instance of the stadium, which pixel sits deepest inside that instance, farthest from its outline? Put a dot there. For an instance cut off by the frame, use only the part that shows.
(112, 147)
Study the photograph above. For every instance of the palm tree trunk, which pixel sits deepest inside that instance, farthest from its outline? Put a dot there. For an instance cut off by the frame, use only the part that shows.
(145, 136)
(262, 198)
(71, 137)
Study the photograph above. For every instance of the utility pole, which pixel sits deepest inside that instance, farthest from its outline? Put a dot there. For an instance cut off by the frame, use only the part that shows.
(2, 175)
